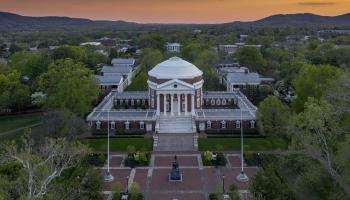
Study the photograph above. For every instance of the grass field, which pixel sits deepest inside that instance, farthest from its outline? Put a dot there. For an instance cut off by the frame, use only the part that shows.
(120, 144)
(8, 123)
(234, 144)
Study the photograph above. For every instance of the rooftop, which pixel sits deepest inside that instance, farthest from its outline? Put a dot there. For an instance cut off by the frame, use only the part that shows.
(128, 115)
(132, 95)
(239, 77)
(119, 69)
(175, 68)
(109, 79)
(123, 61)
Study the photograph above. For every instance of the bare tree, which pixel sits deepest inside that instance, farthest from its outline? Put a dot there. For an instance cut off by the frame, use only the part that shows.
(316, 132)
(44, 162)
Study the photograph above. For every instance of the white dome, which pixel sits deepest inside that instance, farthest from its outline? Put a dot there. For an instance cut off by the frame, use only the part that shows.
(175, 68)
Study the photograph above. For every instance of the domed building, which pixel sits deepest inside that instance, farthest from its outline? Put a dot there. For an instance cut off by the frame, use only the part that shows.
(175, 87)
(174, 103)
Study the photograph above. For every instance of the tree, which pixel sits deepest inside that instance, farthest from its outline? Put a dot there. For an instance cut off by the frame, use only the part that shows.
(338, 93)
(29, 64)
(63, 123)
(149, 58)
(312, 81)
(44, 162)
(316, 132)
(252, 58)
(272, 116)
(73, 52)
(69, 85)
(13, 94)
(268, 184)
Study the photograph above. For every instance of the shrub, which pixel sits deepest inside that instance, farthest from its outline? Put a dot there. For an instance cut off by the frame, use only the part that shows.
(213, 196)
(96, 159)
(116, 190)
(131, 150)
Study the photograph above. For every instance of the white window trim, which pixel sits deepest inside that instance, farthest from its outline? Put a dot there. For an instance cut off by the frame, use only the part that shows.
(208, 124)
(223, 124)
(238, 124)
(98, 125)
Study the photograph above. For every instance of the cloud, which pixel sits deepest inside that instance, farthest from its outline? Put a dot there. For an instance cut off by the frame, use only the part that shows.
(316, 3)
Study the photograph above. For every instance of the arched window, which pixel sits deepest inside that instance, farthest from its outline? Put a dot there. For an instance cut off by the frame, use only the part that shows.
(208, 124)
(142, 125)
(212, 102)
(223, 124)
(238, 124)
(252, 124)
(218, 102)
(207, 102)
(223, 102)
(113, 125)
(98, 125)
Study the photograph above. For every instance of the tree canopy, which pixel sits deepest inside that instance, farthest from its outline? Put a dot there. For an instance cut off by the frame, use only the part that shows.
(312, 81)
(272, 116)
(69, 85)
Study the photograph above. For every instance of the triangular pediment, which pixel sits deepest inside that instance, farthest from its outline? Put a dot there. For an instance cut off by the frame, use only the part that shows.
(175, 85)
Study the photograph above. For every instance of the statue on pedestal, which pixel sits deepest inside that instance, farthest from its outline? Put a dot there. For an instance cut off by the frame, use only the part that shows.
(175, 174)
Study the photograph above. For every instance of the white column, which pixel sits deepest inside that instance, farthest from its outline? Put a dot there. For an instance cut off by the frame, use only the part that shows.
(158, 104)
(186, 104)
(164, 106)
(172, 104)
(192, 104)
(178, 104)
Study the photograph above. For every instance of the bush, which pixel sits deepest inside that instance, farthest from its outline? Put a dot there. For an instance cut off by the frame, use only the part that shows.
(131, 132)
(252, 159)
(207, 159)
(137, 159)
(233, 192)
(213, 196)
(96, 159)
(235, 131)
(116, 190)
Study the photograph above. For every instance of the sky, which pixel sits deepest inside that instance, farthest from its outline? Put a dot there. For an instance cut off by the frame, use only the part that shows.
(173, 11)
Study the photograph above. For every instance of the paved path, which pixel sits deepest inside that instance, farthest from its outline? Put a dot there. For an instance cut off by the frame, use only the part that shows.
(19, 129)
(175, 142)
(198, 180)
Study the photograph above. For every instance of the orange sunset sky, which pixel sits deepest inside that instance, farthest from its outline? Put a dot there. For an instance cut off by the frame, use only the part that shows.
(173, 11)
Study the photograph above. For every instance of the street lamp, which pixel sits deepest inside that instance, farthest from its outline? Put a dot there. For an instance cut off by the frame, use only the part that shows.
(223, 184)
(242, 176)
(127, 184)
(108, 177)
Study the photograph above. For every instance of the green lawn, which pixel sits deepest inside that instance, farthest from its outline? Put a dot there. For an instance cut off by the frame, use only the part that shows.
(13, 122)
(234, 144)
(120, 144)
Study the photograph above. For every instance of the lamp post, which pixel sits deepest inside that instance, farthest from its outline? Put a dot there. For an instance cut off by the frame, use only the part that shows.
(108, 177)
(242, 176)
(223, 184)
(127, 185)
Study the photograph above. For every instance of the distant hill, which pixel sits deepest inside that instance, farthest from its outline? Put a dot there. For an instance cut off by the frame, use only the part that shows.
(12, 22)
(305, 19)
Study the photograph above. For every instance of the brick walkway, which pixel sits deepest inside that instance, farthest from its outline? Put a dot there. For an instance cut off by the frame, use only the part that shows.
(198, 180)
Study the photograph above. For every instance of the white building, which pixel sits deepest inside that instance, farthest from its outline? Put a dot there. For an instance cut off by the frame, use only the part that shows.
(123, 62)
(125, 71)
(173, 47)
(228, 48)
(111, 83)
(175, 103)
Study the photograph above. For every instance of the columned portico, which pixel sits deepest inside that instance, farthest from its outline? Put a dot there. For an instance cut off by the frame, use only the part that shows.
(181, 98)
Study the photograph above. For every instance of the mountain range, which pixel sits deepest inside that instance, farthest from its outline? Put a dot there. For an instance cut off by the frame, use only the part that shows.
(11, 22)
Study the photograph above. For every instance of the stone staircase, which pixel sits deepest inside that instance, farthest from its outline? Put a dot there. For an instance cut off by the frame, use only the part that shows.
(176, 124)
